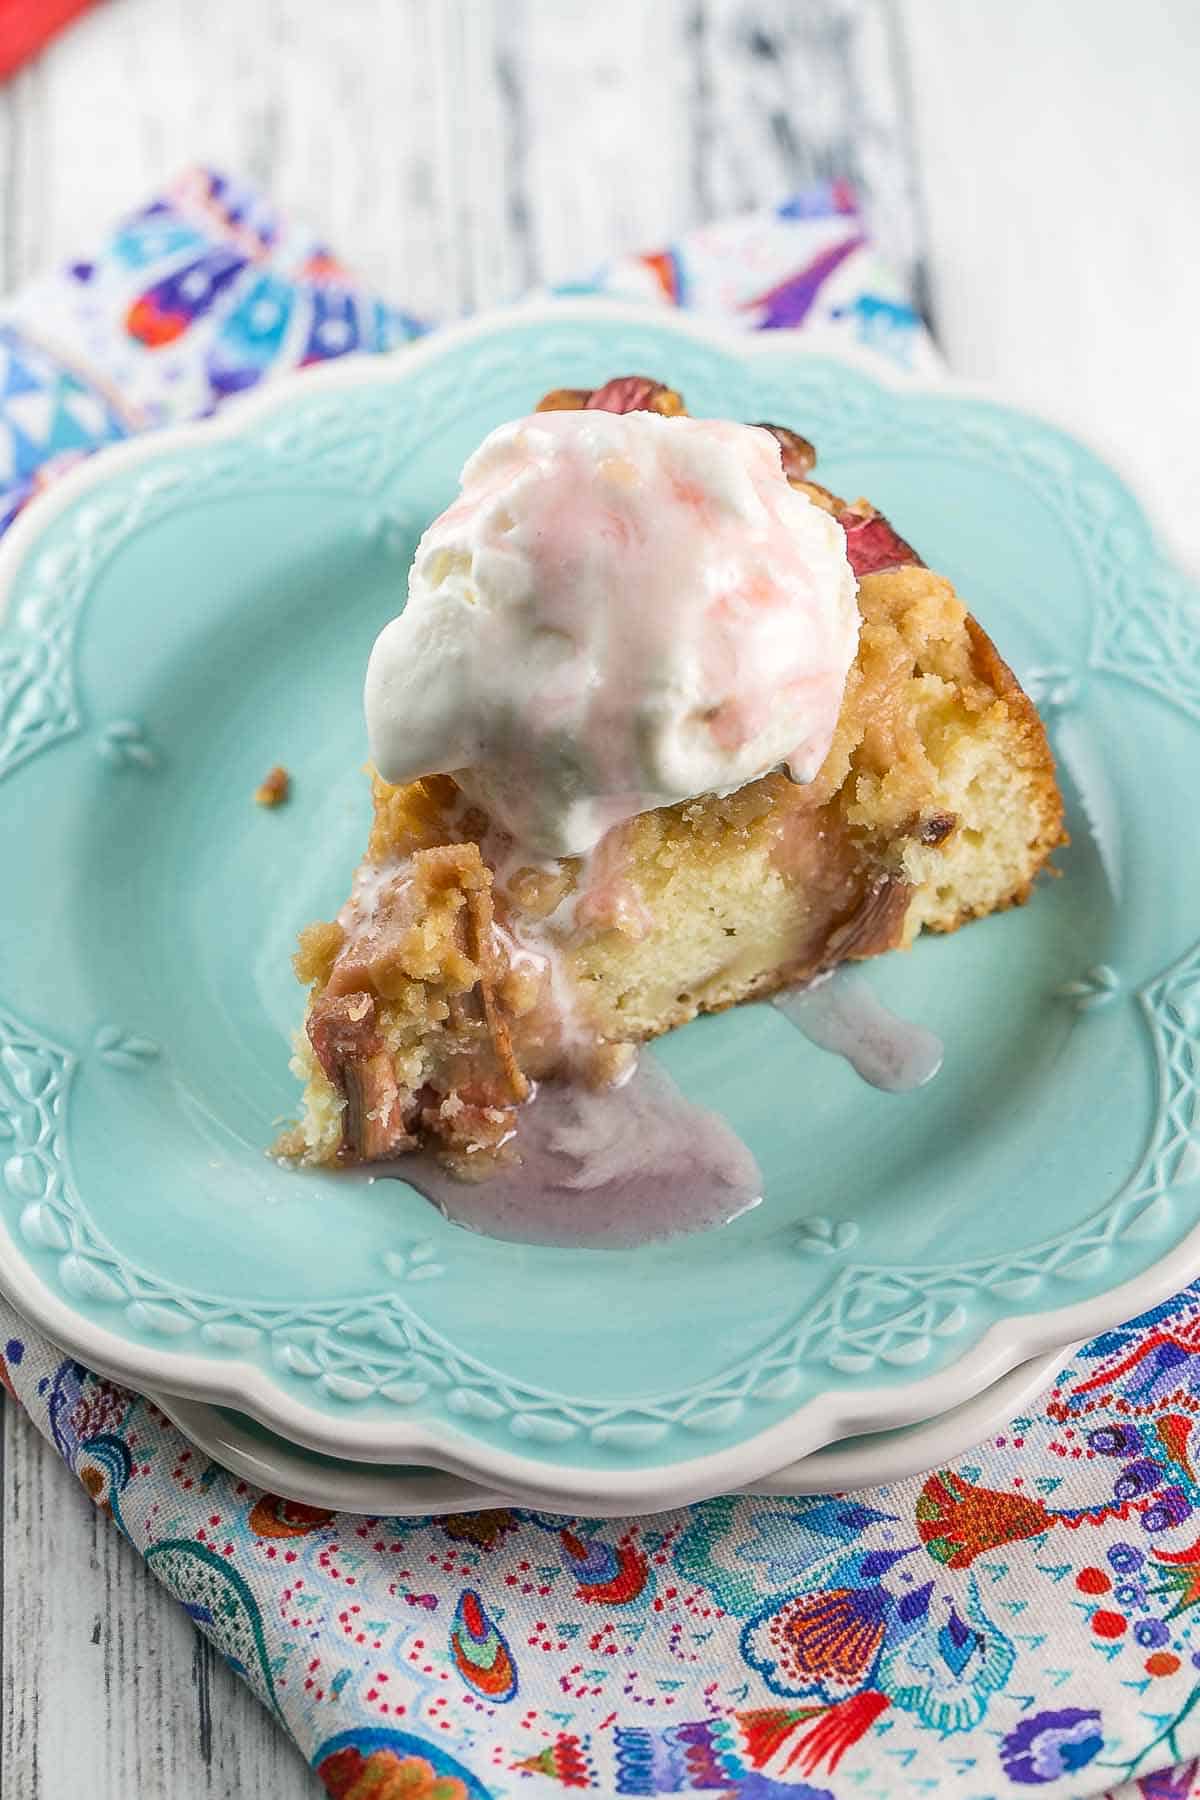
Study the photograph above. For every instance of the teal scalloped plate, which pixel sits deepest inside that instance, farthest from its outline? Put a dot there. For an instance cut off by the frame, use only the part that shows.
(187, 610)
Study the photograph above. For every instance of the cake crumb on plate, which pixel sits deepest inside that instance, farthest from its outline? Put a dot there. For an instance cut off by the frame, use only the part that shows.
(273, 789)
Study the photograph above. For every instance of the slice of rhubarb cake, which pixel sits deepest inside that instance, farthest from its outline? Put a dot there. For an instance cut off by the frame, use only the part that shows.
(664, 726)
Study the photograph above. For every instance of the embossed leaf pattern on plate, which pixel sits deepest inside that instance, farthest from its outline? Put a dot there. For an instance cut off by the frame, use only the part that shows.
(123, 1049)
(124, 745)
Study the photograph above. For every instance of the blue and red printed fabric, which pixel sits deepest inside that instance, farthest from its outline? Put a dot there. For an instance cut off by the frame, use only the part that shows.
(1025, 1619)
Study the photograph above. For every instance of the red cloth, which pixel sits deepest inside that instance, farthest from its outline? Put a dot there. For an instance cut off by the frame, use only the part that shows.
(25, 25)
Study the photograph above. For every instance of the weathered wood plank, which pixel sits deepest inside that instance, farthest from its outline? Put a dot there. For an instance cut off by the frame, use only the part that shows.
(105, 1687)
(1058, 150)
(787, 95)
(458, 152)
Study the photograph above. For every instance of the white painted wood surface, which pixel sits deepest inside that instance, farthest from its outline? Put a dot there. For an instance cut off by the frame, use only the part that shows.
(1059, 151)
(1033, 168)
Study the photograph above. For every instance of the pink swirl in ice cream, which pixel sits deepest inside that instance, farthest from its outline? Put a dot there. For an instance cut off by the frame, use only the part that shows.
(619, 612)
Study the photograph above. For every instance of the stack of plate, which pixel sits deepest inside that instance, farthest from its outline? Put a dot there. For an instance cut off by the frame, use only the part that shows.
(184, 612)
(250, 1450)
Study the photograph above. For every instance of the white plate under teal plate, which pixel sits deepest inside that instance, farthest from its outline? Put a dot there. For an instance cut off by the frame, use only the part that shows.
(185, 611)
(250, 1451)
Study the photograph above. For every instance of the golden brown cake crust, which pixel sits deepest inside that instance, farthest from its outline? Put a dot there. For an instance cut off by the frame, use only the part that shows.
(1032, 751)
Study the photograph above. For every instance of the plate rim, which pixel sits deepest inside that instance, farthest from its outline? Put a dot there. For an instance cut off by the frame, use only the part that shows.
(835, 1468)
(246, 1388)
(824, 1418)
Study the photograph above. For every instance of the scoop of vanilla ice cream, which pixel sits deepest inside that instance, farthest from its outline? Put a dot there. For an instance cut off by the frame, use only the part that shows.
(619, 611)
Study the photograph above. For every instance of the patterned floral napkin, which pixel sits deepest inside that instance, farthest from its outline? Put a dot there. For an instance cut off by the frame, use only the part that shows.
(1023, 1619)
